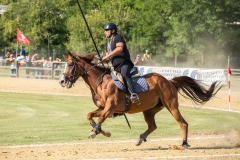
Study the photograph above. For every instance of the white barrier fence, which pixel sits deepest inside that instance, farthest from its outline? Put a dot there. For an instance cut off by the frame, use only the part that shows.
(53, 72)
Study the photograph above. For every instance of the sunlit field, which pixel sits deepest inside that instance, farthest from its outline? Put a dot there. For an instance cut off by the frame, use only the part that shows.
(39, 118)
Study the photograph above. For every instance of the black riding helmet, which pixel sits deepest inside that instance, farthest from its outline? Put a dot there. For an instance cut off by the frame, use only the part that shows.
(111, 26)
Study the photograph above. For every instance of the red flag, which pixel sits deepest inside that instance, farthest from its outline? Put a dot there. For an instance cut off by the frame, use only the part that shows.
(21, 38)
(229, 70)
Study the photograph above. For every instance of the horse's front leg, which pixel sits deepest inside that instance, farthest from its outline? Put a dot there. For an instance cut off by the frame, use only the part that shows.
(90, 116)
(102, 114)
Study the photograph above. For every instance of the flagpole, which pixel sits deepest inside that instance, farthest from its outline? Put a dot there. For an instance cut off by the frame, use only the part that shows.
(16, 49)
(229, 105)
(29, 50)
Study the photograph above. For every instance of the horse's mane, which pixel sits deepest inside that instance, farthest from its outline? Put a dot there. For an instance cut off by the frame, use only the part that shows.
(89, 58)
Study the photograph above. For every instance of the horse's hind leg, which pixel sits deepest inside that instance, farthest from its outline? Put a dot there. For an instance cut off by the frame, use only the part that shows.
(149, 116)
(173, 109)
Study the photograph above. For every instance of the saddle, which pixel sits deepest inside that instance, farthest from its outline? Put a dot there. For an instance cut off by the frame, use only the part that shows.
(139, 82)
(134, 73)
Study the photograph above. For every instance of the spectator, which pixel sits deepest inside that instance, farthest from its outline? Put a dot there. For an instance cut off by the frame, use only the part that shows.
(138, 61)
(28, 64)
(57, 66)
(146, 57)
(22, 54)
(37, 62)
(49, 65)
(7, 55)
(12, 61)
(45, 62)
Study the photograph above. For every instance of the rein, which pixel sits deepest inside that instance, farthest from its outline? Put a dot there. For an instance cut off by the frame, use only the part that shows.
(72, 77)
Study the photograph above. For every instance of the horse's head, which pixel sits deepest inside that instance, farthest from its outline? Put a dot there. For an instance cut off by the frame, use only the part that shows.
(72, 70)
(75, 67)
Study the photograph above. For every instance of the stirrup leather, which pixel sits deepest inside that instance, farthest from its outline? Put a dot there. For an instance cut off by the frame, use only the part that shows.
(135, 99)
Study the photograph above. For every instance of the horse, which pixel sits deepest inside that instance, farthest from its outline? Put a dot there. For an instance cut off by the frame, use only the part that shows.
(111, 101)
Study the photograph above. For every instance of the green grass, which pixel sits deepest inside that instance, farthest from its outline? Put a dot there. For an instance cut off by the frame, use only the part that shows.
(5, 71)
(35, 119)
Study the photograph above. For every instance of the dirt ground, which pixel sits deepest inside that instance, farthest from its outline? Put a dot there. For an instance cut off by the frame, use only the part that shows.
(209, 147)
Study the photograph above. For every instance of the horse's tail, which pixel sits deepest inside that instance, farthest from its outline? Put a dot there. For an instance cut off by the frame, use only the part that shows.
(193, 90)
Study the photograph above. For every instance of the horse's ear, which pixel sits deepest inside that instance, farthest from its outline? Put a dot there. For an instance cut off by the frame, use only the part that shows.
(69, 53)
(94, 53)
(65, 57)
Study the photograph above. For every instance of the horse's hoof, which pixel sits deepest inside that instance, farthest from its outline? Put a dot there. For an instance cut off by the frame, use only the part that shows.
(185, 145)
(92, 135)
(108, 134)
(139, 142)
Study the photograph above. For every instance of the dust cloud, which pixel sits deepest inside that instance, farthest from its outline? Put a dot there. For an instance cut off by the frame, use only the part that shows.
(230, 140)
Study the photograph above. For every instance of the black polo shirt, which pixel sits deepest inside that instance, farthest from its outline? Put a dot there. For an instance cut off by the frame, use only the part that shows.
(121, 57)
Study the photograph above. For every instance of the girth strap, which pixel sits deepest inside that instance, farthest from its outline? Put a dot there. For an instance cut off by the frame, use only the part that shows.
(128, 103)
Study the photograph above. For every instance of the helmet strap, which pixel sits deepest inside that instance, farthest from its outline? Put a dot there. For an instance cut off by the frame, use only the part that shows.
(112, 34)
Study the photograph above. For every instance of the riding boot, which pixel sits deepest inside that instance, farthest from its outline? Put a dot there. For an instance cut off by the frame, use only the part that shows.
(134, 97)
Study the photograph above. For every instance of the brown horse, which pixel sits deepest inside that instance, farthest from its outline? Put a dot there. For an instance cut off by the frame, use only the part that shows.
(111, 101)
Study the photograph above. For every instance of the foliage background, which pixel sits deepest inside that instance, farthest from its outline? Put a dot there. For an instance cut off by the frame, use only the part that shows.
(187, 30)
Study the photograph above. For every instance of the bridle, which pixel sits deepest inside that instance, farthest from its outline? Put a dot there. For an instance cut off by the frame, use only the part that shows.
(72, 75)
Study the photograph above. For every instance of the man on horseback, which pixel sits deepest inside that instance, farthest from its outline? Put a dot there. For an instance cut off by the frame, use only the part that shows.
(118, 53)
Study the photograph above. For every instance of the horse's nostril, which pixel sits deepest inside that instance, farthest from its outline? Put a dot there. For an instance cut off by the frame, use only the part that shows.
(62, 81)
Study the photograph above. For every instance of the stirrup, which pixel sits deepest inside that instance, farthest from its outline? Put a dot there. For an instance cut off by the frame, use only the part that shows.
(135, 99)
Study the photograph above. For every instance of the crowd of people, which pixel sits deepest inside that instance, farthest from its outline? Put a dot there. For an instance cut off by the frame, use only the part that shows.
(37, 62)
(41, 62)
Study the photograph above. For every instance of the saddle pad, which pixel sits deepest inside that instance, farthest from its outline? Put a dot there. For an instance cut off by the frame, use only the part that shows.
(139, 83)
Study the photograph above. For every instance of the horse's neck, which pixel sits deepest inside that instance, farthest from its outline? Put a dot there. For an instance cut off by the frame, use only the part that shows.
(93, 77)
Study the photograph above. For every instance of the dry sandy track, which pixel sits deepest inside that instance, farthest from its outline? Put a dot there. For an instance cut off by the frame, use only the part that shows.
(213, 147)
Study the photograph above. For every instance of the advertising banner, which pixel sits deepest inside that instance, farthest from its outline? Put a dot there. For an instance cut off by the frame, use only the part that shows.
(204, 75)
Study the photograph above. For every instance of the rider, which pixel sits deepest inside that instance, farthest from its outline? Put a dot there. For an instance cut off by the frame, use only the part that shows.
(118, 53)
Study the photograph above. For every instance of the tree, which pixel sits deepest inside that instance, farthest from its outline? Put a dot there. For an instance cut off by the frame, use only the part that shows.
(166, 28)
(199, 27)
(38, 20)
(80, 39)
(149, 22)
